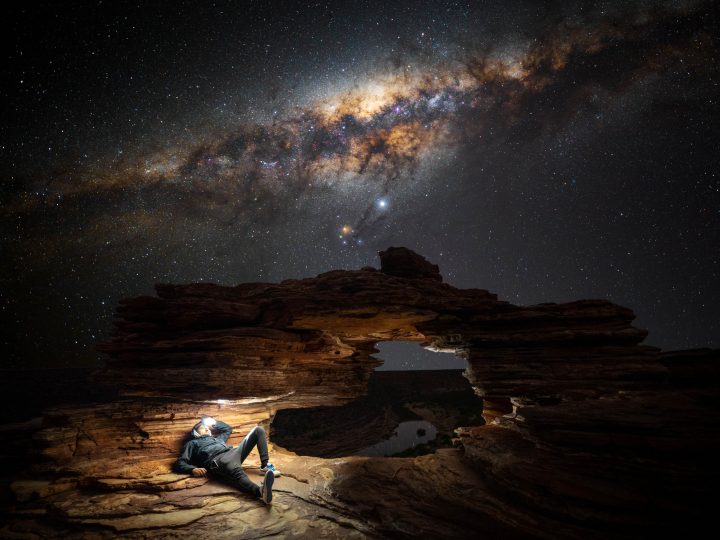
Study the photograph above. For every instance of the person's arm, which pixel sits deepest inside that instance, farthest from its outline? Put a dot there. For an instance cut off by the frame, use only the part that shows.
(221, 431)
(183, 465)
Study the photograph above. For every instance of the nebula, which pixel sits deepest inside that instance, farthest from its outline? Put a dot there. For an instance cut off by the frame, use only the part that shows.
(542, 152)
(375, 136)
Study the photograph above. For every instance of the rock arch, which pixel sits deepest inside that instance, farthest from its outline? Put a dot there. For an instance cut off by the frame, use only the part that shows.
(577, 442)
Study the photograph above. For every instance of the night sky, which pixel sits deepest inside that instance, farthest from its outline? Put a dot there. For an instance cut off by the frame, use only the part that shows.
(546, 154)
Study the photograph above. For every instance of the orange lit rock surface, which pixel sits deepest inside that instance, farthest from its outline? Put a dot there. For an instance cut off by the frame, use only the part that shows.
(589, 434)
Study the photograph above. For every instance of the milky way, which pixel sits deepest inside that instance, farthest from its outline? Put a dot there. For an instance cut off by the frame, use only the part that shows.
(527, 151)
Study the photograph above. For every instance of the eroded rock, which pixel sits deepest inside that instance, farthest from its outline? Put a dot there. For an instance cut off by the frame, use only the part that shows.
(588, 434)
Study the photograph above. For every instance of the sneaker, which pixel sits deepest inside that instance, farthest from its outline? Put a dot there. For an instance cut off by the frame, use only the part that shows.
(266, 487)
(270, 467)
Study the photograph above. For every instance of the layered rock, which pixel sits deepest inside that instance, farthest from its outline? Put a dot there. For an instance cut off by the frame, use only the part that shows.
(588, 433)
(444, 399)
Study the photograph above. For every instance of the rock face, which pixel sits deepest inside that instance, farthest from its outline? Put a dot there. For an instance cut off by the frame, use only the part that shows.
(403, 262)
(443, 399)
(587, 434)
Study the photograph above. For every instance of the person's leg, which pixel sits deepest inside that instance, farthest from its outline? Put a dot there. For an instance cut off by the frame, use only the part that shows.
(256, 437)
(230, 462)
(235, 474)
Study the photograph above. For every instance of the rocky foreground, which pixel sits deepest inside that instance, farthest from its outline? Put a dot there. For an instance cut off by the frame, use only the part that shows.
(587, 433)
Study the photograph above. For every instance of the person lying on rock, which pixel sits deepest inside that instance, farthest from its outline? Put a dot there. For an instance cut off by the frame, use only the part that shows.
(207, 452)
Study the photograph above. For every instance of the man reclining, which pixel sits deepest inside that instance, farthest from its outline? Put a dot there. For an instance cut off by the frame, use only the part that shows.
(207, 451)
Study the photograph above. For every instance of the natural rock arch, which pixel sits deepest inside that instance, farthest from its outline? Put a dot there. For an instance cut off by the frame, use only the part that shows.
(576, 442)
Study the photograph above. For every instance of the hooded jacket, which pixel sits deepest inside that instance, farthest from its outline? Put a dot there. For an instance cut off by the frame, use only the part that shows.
(201, 450)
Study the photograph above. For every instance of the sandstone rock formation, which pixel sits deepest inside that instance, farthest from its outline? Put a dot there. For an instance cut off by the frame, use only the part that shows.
(443, 398)
(588, 434)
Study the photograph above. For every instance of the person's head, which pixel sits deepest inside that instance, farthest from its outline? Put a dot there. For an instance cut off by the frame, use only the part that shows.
(201, 429)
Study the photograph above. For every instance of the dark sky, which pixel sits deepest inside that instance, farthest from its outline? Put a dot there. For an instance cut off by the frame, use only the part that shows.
(545, 153)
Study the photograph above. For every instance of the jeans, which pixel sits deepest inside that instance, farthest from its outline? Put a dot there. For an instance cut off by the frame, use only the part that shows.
(228, 465)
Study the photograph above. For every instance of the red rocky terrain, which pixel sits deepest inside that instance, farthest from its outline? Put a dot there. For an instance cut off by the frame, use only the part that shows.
(587, 433)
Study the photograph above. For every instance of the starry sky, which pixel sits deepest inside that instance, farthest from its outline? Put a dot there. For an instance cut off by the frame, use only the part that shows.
(545, 152)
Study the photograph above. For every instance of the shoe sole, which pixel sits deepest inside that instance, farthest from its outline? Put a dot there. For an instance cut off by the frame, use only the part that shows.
(267, 487)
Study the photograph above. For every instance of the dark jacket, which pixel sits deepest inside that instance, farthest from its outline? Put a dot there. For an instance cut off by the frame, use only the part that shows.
(200, 451)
